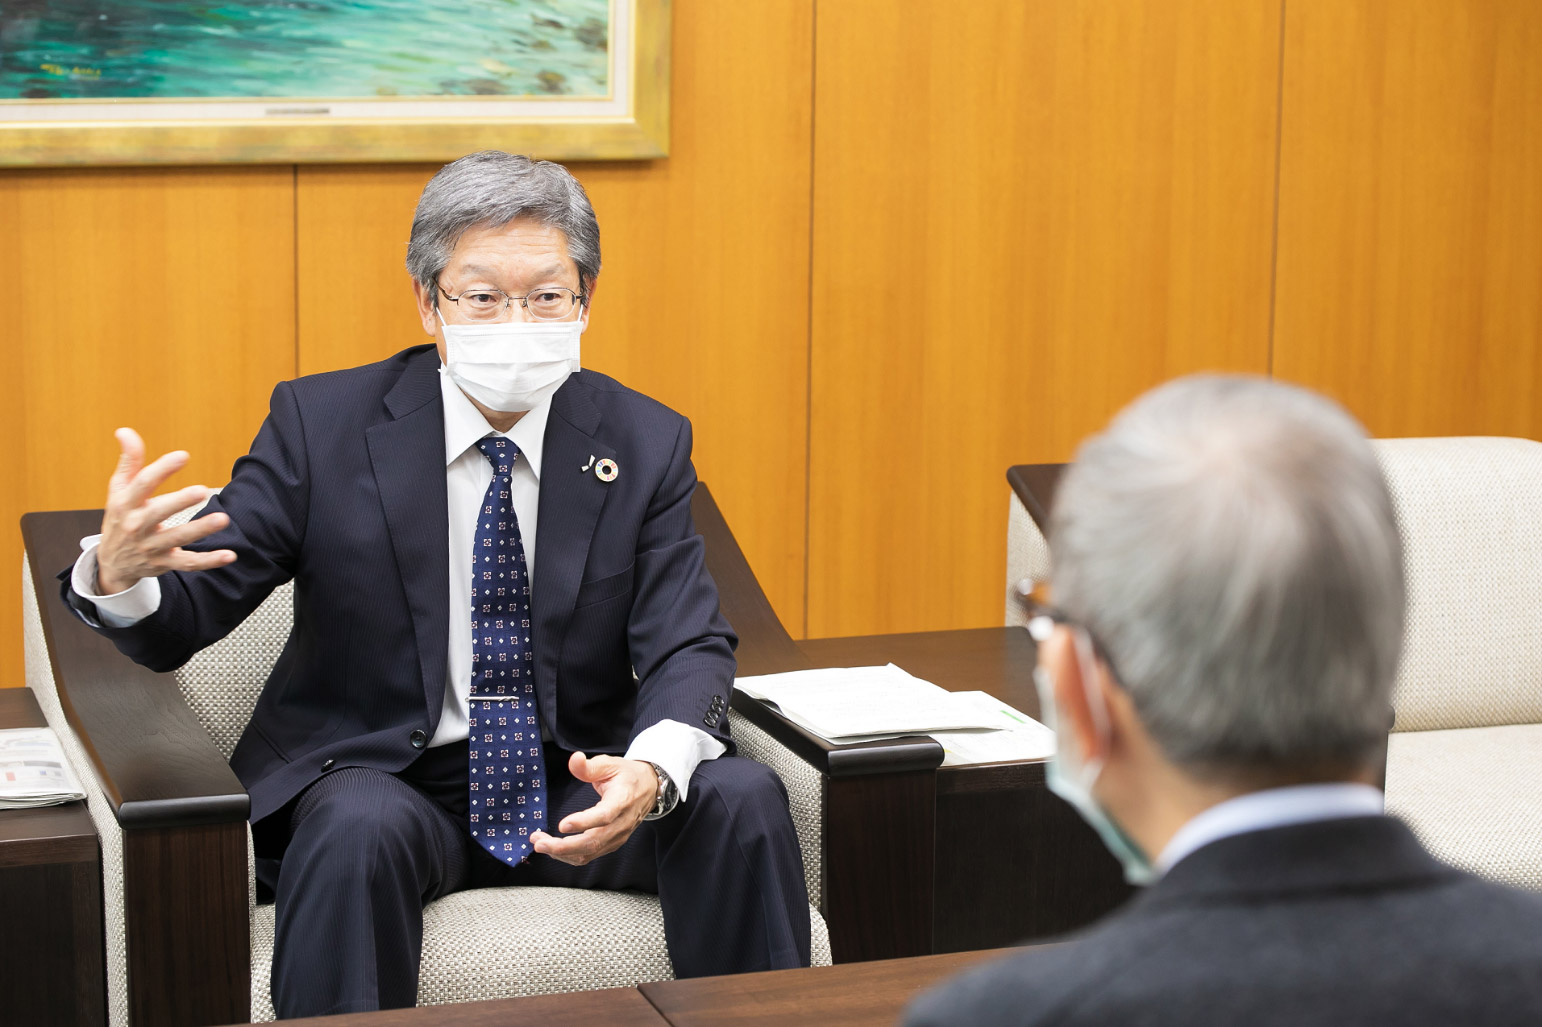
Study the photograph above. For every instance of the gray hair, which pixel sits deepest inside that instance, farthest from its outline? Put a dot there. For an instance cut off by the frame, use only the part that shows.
(491, 189)
(1230, 544)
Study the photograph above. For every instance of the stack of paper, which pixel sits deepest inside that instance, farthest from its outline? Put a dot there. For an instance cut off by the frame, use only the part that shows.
(851, 704)
(33, 771)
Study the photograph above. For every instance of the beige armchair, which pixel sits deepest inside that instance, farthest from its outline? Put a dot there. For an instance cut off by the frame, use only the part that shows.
(186, 941)
(1464, 761)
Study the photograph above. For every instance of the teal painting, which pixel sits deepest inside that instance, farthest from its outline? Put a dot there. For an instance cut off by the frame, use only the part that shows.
(325, 49)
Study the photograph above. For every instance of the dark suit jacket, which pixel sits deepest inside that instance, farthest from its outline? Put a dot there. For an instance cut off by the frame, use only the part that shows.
(344, 492)
(1334, 922)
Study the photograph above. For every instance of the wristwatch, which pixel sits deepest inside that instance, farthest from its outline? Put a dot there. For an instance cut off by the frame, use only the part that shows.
(668, 797)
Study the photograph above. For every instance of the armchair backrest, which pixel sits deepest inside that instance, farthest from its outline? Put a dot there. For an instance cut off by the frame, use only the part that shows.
(1470, 512)
(221, 683)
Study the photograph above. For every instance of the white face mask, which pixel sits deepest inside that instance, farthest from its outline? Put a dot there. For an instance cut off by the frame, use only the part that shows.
(511, 366)
(1073, 781)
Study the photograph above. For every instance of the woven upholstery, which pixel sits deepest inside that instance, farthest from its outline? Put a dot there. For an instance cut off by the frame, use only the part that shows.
(1473, 796)
(1027, 556)
(471, 950)
(1470, 511)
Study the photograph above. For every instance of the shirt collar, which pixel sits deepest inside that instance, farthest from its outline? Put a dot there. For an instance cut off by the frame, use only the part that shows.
(1272, 807)
(464, 426)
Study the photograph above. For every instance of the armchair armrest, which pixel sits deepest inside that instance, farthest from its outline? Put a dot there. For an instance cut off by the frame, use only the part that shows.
(176, 879)
(868, 804)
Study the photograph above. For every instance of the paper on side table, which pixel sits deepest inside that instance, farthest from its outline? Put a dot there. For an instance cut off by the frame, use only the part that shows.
(1018, 736)
(842, 703)
(33, 770)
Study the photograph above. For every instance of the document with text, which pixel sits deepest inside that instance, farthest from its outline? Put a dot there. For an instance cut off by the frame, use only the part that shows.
(856, 704)
(33, 770)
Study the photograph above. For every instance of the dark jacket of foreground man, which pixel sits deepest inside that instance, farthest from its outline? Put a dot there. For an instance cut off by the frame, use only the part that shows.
(1331, 922)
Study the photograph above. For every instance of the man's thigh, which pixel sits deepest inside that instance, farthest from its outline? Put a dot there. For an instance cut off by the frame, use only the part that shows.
(368, 817)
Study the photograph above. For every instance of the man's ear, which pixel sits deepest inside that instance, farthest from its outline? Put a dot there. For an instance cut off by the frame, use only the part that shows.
(590, 285)
(426, 314)
(1068, 669)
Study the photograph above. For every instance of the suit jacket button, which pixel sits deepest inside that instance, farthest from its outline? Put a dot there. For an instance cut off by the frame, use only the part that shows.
(328, 765)
(418, 739)
(709, 721)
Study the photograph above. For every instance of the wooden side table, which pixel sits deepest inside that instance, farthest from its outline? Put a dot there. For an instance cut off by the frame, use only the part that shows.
(51, 957)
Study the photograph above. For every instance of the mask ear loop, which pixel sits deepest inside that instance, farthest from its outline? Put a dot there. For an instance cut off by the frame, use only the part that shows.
(1087, 663)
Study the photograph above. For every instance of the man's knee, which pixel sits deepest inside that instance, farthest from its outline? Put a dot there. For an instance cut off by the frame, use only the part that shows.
(744, 794)
(354, 820)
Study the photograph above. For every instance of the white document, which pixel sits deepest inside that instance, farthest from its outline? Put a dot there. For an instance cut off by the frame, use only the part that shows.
(33, 771)
(1018, 737)
(850, 703)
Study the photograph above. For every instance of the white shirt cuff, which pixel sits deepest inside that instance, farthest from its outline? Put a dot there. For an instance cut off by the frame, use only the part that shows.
(121, 609)
(678, 748)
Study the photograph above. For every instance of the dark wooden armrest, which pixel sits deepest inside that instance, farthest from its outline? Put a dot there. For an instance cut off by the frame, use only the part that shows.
(888, 755)
(1035, 485)
(182, 810)
(154, 760)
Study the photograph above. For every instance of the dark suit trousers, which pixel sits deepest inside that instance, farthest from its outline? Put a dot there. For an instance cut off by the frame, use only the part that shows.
(366, 850)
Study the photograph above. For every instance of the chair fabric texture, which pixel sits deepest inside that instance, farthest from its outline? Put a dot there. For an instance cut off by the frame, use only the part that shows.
(474, 946)
(1470, 512)
(1473, 796)
(1027, 557)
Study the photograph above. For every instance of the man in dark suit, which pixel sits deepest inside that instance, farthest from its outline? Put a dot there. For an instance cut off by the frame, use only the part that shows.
(503, 622)
(1218, 666)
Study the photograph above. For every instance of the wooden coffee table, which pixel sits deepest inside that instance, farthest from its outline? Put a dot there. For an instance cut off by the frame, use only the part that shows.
(853, 995)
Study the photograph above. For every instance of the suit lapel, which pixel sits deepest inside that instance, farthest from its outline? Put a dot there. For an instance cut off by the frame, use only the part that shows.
(407, 456)
(568, 512)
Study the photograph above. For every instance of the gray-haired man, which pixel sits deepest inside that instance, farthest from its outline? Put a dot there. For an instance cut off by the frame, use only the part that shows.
(1229, 611)
(458, 689)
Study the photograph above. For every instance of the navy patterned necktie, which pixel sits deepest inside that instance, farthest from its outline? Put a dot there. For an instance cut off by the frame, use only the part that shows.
(508, 793)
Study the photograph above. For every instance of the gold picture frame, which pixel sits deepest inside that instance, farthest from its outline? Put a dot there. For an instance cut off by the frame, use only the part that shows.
(631, 123)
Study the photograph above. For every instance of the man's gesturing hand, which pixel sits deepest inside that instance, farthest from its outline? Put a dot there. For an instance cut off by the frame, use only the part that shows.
(628, 790)
(134, 545)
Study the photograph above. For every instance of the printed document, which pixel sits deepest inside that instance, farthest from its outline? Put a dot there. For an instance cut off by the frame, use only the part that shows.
(33, 771)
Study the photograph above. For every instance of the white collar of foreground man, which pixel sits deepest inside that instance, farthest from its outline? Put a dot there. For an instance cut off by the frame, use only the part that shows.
(1272, 807)
(464, 426)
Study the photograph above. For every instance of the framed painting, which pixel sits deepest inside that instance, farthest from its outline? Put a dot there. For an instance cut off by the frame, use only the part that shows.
(317, 81)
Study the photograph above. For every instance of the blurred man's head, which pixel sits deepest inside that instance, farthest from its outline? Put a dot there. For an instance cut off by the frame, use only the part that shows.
(1230, 573)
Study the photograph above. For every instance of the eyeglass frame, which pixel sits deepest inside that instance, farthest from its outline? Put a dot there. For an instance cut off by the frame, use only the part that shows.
(580, 299)
(1043, 616)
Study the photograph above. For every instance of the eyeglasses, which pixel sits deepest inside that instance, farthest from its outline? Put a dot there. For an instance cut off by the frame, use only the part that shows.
(1042, 618)
(493, 304)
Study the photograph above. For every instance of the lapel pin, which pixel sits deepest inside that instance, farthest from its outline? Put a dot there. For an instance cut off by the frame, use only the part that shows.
(606, 470)
(590, 464)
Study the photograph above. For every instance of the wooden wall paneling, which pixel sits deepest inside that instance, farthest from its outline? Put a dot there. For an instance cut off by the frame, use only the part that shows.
(354, 300)
(1410, 235)
(703, 296)
(703, 300)
(160, 299)
(1024, 215)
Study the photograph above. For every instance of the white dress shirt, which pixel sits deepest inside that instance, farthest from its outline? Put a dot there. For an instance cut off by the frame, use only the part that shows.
(675, 746)
(1272, 807)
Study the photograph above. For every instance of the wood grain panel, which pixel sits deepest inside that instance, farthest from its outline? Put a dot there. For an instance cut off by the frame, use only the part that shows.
(354, 300)
(1024, 215)
(1410, 238)
(703, 300)
(161, 299)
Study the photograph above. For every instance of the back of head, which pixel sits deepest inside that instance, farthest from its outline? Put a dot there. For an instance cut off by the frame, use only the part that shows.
(1230, 543)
